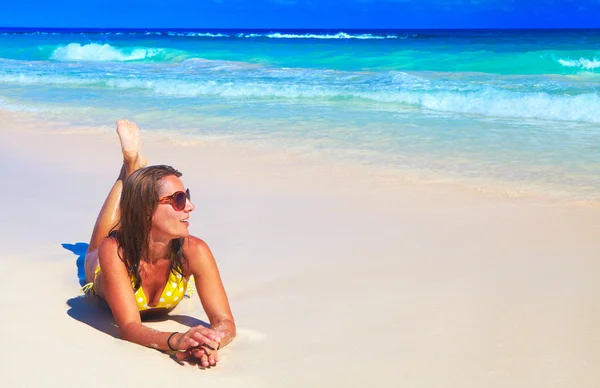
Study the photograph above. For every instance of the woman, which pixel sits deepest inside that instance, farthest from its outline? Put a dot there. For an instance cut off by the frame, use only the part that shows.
(141, 257)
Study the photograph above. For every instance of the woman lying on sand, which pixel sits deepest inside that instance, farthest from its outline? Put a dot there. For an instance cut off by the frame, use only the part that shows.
(141, 257)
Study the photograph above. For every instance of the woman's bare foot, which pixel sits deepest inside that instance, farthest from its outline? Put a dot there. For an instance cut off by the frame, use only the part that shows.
(129, 135)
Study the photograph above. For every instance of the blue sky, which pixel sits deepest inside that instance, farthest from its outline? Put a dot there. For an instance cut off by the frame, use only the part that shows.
(337, 14)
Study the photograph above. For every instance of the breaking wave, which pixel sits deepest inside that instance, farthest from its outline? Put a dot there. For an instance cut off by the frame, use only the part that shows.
(582, 63)
(485, 101)
(102, 52)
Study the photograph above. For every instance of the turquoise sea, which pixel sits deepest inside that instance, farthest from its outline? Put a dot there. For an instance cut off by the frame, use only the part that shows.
(514, 109)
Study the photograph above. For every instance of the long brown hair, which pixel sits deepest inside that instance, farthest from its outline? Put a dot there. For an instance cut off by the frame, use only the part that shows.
(139, 200)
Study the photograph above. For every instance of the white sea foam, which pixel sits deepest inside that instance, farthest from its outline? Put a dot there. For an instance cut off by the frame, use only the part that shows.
(583, 63)
(199, 34)
(101, 52)
(406, 91)
(500, 103)
(340, 35)
(245, 35)
(488, 102)
(279, 35)
(209, 35)
(34, 79)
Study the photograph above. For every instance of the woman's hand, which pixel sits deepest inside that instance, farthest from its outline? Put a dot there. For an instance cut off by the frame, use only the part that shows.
(206, 354)
(196, 337)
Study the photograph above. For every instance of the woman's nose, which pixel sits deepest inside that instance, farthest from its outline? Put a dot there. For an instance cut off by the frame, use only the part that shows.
(189, 206)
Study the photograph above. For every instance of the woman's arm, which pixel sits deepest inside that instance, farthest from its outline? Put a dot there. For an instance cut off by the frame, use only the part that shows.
(210, 288)
(117, 290)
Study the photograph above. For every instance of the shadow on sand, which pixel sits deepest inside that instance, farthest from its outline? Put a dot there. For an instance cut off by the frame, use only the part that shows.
(94, 312)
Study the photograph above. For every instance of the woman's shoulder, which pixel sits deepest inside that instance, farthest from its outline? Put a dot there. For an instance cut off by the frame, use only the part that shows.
(198, 257)
(194, 246)
(109, 243)
(108, 251)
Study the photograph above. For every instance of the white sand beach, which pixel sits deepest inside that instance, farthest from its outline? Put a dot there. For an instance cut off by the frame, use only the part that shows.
(338, 276)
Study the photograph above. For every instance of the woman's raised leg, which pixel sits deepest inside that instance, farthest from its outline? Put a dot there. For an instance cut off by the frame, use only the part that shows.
(129, 135)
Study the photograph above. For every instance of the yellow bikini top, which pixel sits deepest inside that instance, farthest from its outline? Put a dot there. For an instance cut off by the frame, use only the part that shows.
(172, 294)
(175, 289)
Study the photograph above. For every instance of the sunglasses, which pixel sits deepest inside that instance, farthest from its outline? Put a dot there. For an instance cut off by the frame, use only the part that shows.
(178, 199)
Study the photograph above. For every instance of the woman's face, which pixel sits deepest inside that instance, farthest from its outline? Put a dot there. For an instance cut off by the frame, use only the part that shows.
(167, 222)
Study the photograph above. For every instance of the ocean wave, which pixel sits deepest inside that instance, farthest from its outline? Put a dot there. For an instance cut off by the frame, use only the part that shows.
(583, 63)
(230, 35)
(102, 52)
(196, 34)
(339, 35)
(500, 103)
(273, 35)
(55, 80)
(487, 103)
(404, 91)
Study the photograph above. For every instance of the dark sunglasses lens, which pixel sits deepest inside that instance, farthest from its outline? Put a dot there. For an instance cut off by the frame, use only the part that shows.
(179, 200)
(187, 193)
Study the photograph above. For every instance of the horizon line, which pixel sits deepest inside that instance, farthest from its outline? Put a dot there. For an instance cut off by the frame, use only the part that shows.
(341, 29)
